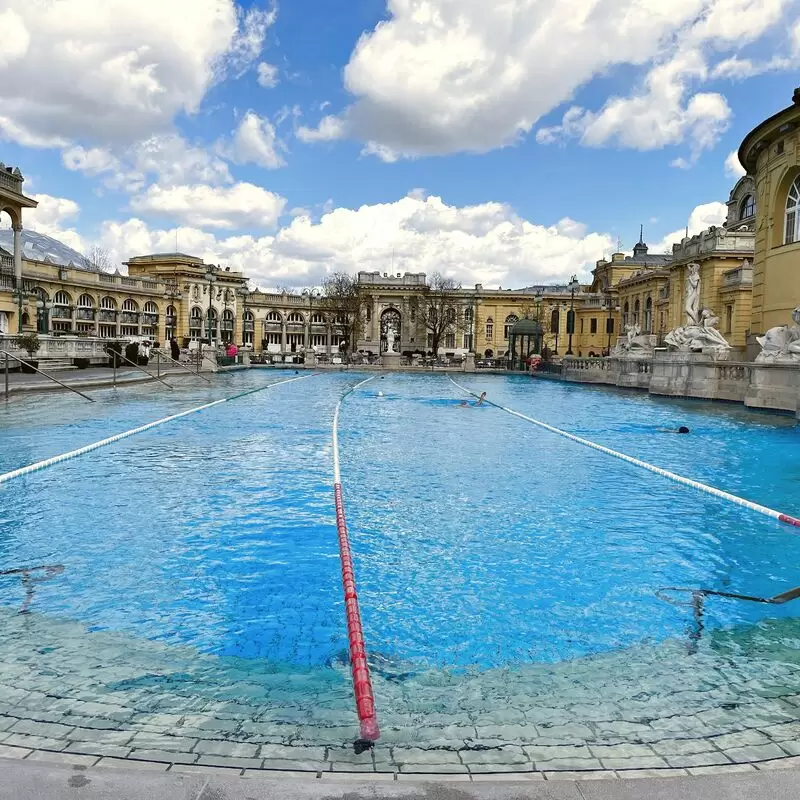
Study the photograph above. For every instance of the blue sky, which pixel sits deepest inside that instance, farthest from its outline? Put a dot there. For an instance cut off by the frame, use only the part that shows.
(501, 146)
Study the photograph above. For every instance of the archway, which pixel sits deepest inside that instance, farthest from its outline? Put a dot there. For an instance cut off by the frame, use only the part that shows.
(391, 328)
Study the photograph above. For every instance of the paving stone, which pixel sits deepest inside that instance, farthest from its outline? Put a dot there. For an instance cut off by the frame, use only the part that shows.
(433, 768)
(63, 758)
(781, 733)
(306, 753)
(48, 730)
(298, 765)
(622, 751)
(635, 762)
(698, 759)
(722, 769)
(34, 742)
(359, 777)
(741, 739)
(549, 753)
(565, 734)
(507, 777)
(97, 749)
(7, 722)
(792, 762)
(229, 761)
(500, 768)
(344, 767)
(198, 768)
(502, 755)
(233, 749)
(679, 747)
(764, 752)
(13, 752)
(156, 741)
(416, 755)
(652, 773)
(166, 756)
(508, 733)
(440, 778)
(124, 763)
(568, 764)
(593, 775)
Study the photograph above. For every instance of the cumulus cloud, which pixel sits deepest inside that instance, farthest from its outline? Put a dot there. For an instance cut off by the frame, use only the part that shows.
(55, 216)
(256, 142)
(702, 217)
(242, 205)
(267, 75)
(486, 243)
(445, 76)
(116, 71)
(733, 167)
(661, 114)
(329, 128)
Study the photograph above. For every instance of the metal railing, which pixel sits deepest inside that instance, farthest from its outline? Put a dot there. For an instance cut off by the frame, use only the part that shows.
(698, 599)
(41, 372)
(114, 355)
(50, 571)
(183, 366)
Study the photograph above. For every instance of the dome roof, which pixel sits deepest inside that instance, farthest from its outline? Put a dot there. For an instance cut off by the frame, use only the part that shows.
(527, 327)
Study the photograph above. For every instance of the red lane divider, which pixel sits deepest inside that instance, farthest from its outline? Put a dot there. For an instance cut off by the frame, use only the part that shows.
(362, 685)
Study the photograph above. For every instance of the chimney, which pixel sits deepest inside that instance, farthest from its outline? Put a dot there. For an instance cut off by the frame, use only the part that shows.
(796, 96)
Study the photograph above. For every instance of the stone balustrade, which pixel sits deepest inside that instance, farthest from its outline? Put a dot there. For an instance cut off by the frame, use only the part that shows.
(60, 348)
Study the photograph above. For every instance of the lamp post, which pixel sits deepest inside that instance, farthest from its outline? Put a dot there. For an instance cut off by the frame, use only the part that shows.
(311, 295)
(573, 285)
(211, 278)
(610, 321)
(170, 295)
(244, 293)
(559, 307)
(42, 313)
(18, 295)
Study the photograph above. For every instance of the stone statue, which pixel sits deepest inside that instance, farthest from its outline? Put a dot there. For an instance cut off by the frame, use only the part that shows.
(692, 305)
(693, 338)
(195, 292)
(781, 345)
(633, 342)
(390, 334)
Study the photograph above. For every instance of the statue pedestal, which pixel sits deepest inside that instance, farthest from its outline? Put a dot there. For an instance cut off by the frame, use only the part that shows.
(469, 363)
(390, 360)
(774, 386)
(681, 374)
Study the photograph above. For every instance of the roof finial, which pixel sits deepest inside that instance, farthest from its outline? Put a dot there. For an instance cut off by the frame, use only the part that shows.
(641, 234)
(619, 245)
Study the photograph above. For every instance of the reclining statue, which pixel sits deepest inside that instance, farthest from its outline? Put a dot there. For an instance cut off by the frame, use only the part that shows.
(693, 338)
(781, 345)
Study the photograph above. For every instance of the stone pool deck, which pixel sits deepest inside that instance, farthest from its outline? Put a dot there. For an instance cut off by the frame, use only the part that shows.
(37, 778)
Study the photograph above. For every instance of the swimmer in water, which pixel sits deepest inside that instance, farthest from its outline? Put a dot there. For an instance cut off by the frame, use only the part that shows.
(682, 429)
(481, 399)
(463, 404)
(380, 394)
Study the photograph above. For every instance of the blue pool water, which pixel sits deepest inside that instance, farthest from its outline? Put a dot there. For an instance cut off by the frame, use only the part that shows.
(479, 540)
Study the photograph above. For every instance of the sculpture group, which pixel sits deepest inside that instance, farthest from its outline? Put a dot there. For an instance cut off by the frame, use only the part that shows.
(700, 331)
(781, 345)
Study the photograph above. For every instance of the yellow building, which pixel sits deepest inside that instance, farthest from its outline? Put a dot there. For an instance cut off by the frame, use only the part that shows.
(770, 154)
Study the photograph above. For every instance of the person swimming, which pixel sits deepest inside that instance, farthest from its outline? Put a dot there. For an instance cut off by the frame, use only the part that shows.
(481, 399)
(683, 429)
(380, 394)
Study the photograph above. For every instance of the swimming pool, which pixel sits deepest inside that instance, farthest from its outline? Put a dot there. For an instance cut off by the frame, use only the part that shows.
(507, 577)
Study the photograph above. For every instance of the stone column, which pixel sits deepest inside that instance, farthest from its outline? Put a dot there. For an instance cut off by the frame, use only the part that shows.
(375, 332)
(18, 254)
(283, 337)
(308, 333)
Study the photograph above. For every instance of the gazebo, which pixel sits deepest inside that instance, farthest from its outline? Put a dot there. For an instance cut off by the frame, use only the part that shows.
(524, 339)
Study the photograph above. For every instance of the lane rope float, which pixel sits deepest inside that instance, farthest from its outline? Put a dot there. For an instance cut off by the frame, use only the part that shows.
(49, 462)
(362, 684)
(703, 487)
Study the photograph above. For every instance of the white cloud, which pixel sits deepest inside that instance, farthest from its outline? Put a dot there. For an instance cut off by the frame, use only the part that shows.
(487, 244)
(733, 167)
(112, 71)
(329, 128)
(242, 205)
(16, 37)
(660, 114)
(255, 142)
(267, 75)
(54, 217)
(92, 162)
(443, 76)
(702, 217)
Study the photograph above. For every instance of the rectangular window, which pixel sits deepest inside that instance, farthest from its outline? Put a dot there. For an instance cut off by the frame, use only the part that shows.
(130, 330)
(610, 325)
(728, 319)
(467, 341)
(791, 225)
(430, 341)
(489, 331)
(450, 340)
(272, 338)
(593, 325)
(108, 331)
(581, 324)
(780, 148)
(318, 339)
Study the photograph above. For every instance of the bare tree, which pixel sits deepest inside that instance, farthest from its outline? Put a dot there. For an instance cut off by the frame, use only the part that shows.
(98, 258)
(437, 309)
(343, 306)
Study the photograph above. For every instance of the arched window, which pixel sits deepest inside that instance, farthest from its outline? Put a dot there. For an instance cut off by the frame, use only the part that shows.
(792, 227)
(648, 315)
(130, 305)
(451, 315)
(108, 303)
(86, 301)
(62, 299)
(489, 328)
(626, 310)
(195, 323)
(171, 311)
(747, 208)
(468, 315)
(295, 316)
(511, 321)
(636, 308)
(150, 307)
(248, 316)
(274, 316)
(318, 319)
(212, 314)
(195, 314)
(555, 321)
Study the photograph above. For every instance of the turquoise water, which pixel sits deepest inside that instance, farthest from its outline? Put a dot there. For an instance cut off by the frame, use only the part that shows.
(480, 540)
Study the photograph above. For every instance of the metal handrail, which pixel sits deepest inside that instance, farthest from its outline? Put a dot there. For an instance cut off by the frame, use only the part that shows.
(190, 371)
(114, 354)
(46, 374)
(50, 571)
(697, 604)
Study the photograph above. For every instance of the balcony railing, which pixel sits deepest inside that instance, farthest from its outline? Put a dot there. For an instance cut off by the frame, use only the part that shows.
(249, 327)
(129, 282)
(149, 319)
(172, 320)
(61, 312)
(106, 278)
(106, 315)
(129, 317)
(85, 313)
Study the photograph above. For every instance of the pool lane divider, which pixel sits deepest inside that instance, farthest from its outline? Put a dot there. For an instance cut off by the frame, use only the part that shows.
(703, 487)
(52, 461)
(362, 684)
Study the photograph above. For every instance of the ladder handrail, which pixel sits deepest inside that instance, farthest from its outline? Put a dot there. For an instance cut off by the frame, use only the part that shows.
(50, 571)
(190, 371)
(115, 354)
(47, 375)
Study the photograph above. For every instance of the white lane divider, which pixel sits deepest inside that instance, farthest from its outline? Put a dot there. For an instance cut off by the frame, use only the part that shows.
(49, 462)
(703, 487)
